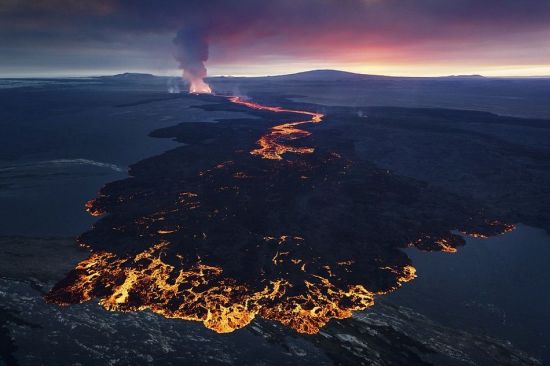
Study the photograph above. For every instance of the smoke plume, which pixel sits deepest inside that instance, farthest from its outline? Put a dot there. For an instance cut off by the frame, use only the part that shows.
(192, 54)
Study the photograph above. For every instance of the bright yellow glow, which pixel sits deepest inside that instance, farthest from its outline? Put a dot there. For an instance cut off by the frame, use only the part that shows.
(411, 70)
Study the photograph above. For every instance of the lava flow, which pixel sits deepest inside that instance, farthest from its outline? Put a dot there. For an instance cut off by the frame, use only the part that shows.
(272, 145)
(208, 232)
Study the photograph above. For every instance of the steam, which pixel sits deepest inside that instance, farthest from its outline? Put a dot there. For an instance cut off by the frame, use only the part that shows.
(173, 86)
(192, 54)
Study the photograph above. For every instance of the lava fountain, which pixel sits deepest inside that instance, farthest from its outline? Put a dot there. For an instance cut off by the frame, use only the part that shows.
(199, 86)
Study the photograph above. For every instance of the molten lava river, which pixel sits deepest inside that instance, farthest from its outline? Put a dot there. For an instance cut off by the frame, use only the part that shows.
(241, 223)
(271, 144)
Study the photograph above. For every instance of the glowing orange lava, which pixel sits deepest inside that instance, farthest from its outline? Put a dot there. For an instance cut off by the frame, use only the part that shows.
(214, 243)
(202, 293)
(89, 206)
(272, 144)
(199, 86)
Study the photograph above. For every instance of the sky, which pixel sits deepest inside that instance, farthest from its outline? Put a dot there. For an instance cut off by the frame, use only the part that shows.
(268, 37)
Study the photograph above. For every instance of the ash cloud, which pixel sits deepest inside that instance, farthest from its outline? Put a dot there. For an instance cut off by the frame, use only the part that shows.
(192, 53)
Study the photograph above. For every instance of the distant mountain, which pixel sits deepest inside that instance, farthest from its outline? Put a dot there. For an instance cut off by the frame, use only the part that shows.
(312, 75)
(130, 76)
(326, 75)
(474, 76)
(337, 75)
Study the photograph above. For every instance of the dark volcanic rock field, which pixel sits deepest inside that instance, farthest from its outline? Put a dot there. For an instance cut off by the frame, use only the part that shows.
(300, 240)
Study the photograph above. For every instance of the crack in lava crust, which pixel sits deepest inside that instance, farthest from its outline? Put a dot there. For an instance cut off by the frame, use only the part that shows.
(212, 233)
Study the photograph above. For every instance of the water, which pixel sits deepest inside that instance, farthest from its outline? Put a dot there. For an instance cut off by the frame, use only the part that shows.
(43, 199)
(62, 140)
(496, 286)
(43, 187)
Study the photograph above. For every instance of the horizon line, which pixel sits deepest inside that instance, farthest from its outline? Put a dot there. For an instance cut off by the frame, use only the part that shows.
(83, 75)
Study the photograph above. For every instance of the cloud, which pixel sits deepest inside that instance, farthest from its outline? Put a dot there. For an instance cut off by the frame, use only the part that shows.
(352, 30)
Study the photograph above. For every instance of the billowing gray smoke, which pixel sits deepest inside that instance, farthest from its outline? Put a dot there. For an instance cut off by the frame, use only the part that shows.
(192, 53)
